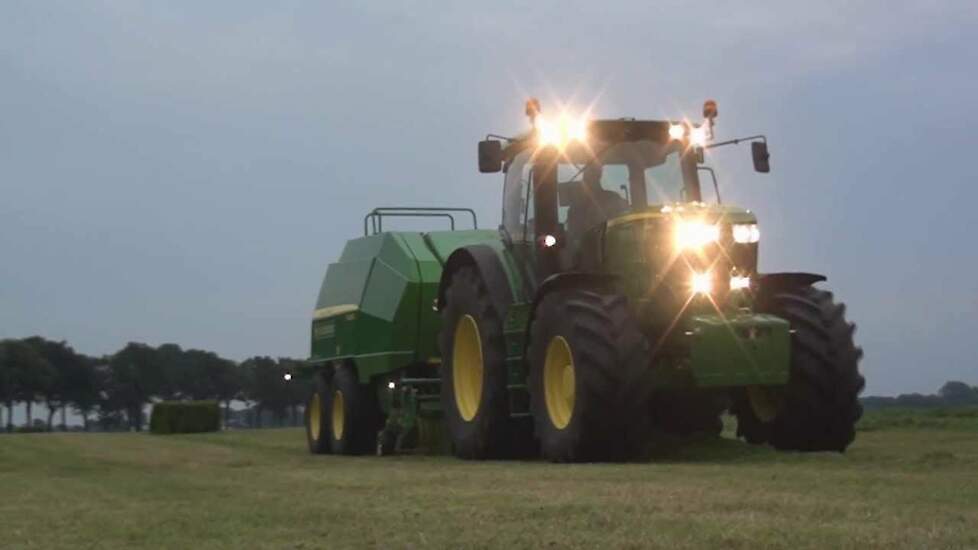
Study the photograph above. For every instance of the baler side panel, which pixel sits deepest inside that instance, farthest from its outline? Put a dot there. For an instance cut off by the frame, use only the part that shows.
(428, 320)
(386, 337)
(333, 326)
(378, 277)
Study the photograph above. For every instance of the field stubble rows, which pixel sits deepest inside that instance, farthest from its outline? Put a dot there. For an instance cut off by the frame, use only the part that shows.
(896, 487)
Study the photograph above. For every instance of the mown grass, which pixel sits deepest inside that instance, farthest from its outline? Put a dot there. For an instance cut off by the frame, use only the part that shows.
(962, 418)
(903, 487)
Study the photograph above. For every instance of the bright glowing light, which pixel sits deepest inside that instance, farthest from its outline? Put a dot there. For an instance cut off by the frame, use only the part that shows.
(701, 283)
(390, 385)
(738, 282)
(562, 131)
(676, 131)
(695, 234)
(549, 241)
(547, 132)
(288, 376)
(746, 233)
(697, 136)
(578, 130)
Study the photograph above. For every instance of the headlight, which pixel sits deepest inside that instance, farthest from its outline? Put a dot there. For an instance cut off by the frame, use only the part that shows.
(738, 282)
(695, 234)
(746, 233)
(701, 283)
(676, 131)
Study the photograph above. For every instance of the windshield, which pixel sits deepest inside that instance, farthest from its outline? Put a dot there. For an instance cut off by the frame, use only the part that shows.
(639, 173)
(595, 185)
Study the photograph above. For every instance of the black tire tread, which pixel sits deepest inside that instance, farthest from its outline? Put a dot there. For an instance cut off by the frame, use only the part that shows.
(486, 436)
(821, 400)
(611, 356)
(363, 417)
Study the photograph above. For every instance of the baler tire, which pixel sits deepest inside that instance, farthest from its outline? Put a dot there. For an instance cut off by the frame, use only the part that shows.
(361, 416)
(316, 416)
(486, 434)
(608, 418)
(820, 404)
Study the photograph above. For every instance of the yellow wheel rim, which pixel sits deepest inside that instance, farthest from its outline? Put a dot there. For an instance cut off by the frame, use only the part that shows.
(765, 401)
(339, 415)
(315, 420)
(467, 368)
(559, 382)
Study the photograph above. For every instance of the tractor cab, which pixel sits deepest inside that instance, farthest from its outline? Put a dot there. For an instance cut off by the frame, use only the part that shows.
(593, 184)
(566, 179)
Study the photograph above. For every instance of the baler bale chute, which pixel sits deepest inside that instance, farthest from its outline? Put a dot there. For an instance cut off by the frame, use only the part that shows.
(612, 302)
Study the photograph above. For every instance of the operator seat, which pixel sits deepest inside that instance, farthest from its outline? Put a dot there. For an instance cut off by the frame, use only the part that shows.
(591, 206)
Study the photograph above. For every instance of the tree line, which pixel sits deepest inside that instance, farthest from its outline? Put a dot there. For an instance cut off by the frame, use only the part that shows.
(952, 394)
(112, 391)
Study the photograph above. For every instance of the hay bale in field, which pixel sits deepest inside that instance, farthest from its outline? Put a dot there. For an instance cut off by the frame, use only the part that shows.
(182, 417)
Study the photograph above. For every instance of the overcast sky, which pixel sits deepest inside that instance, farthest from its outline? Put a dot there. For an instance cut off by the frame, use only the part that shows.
(184, 171)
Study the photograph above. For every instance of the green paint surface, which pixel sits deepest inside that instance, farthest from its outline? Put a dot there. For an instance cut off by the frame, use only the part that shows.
(750, 349)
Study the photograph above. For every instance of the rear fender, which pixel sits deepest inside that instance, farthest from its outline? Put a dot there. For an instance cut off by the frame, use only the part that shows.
(564, 281)
(775, 282)
(489, 264)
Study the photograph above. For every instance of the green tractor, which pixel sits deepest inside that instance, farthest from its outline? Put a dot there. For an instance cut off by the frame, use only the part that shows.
(613, 303)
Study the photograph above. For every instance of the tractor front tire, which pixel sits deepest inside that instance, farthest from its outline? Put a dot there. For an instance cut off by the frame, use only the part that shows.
(588, 378)
(473, 369)
(819, 407)
(317, 434)
(354, 417)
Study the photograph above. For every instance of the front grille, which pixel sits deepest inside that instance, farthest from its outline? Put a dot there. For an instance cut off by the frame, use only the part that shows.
(670, 274)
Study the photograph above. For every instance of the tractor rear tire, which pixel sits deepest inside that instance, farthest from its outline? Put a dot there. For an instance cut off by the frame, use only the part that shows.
(317, 435)
(589, 383)
(473, 370)
(819, 407)
(354, 417)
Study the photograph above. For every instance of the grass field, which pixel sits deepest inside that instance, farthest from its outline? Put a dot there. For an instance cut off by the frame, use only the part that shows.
(903, 484)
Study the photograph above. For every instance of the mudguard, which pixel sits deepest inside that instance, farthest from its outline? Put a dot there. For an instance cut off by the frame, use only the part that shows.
(491, 265)
(774, 282)
(560, 281)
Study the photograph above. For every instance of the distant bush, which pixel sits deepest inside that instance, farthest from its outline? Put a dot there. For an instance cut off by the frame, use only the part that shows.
(31, 429)
(183, 417)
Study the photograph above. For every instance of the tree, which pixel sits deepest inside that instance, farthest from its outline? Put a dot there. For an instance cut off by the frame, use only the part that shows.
(266, 387)
(958, 393)
(297, 389)
(65, 363)
(85, 385)
(28, 373)
(135, 377)
(6, 385)
(228, 383)
(173, 371)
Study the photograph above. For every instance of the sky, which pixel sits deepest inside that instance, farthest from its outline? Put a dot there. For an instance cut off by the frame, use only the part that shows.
(184, 171)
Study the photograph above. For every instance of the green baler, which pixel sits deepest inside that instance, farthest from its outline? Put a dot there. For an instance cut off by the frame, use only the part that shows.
(612, 302)
(376, 302)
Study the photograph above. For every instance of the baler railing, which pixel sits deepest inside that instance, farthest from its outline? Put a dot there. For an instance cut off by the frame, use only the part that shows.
(374, 220)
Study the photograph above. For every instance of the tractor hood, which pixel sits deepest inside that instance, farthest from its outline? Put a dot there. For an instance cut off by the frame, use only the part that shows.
(708, 213)
(671, 254)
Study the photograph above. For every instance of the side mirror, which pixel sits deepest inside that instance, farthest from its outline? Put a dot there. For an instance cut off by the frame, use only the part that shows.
(758, 151)
(490, 156)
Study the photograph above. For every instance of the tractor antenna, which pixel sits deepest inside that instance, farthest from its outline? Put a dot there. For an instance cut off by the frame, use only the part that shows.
(532, 110)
